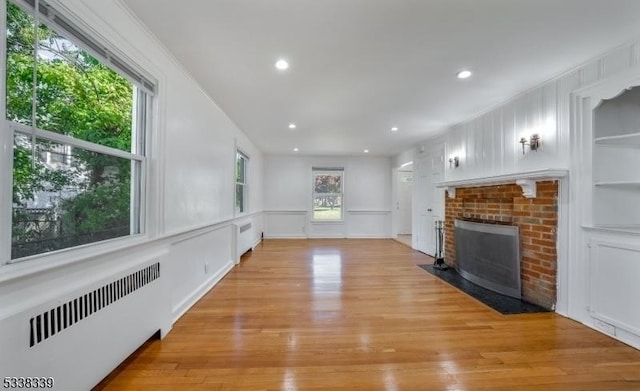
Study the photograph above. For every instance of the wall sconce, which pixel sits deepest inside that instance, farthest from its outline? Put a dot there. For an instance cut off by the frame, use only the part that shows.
(454, 162)
(533, 143)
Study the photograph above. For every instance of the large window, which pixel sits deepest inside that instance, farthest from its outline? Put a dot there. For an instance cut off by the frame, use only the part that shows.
(327, 193)
(77, 126)
(242, 161)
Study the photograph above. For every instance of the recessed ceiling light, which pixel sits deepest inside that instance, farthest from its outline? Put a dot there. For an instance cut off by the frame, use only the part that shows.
(295, 149)
(366, 151)
(463, 74)
(282, 64)
(292, 125)
(394, 129)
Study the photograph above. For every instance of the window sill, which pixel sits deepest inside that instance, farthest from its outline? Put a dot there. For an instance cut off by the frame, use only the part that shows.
(39, 263)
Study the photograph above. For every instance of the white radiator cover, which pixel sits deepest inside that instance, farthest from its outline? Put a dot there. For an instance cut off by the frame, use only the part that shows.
(82, 354)
(248, 234)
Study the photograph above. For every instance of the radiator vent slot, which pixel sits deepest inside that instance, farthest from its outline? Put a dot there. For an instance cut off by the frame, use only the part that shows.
(245, 227)
(51, 322)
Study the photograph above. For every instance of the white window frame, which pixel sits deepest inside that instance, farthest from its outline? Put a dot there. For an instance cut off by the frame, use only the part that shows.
(143, 90)
(244, 209)
(329, 171)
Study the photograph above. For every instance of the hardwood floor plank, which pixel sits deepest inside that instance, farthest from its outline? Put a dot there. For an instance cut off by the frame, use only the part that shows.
(359, 315)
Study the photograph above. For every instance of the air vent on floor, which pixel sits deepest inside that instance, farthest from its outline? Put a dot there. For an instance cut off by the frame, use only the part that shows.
(245, 227)
(47, 324)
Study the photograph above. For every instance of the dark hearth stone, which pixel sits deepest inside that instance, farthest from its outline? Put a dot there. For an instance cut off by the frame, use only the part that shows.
(504, 304)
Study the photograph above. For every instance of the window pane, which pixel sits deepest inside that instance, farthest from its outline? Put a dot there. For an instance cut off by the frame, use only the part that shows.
(328, 183)
(240, 190)
(79, 97)
(66, 196)
(327, 208)
(76, 95)
(19, 76)
(240, 169)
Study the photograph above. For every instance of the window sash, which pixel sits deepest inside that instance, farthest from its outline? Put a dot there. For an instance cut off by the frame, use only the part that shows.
(110, 56)
(144, 89)
(330, 172)
(74, 142)
(241, 167)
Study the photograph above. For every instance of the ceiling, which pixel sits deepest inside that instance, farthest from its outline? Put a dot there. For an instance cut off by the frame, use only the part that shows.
(360, 67)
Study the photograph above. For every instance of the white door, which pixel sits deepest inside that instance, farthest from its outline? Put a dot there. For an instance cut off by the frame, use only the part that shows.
(421, 204)
(404, 208)
(428, 201)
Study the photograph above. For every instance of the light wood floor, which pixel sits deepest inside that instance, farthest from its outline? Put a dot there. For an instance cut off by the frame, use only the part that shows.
(360, 315)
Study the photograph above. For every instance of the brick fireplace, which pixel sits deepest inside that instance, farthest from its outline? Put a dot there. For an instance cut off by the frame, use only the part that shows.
(537, 219)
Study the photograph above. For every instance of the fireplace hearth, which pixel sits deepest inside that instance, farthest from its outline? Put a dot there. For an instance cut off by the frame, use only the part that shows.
(536, 220)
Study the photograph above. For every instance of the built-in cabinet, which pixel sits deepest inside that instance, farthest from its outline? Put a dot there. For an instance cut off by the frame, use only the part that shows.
(616, 162)
(606, 182)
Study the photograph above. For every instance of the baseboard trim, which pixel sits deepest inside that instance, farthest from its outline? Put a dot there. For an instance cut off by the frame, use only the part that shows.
(202, 290)
(284, 236)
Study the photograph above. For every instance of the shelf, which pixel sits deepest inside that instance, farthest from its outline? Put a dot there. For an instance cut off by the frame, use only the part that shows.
(625, 140)
(618, 184)
(633, 229)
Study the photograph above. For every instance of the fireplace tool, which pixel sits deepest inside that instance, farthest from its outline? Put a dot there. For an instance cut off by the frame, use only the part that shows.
(439, 262)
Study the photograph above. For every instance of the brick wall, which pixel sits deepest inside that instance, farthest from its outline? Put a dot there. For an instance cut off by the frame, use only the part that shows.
(537, 219)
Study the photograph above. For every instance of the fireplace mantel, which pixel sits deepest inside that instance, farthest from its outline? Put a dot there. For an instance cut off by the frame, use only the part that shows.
(526, 180)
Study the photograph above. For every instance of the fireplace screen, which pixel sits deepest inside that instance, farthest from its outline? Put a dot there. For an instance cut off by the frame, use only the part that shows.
(489, 255)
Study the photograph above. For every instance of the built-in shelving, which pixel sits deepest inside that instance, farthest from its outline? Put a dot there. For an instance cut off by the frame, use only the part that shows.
(616, 163)
(622, 140)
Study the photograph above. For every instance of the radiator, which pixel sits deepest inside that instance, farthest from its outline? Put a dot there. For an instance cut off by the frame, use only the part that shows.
(245, 237)
(79, 337)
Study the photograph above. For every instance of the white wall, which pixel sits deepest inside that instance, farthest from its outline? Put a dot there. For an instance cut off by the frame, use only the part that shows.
(191, 227)
(367, 197)
(488, 147)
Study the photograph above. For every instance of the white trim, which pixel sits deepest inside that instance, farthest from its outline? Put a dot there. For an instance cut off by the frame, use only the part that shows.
(327, 222)
(562, 248)
(56, 259)
(62, 139)
(539, 175)
(209, 226)
(245, 184)
(286, 211)
(284, 236)
(451, 191)
(181, 308)
(336, 236)
(529, 188)
(6, 154)
(368, 236)
(369, 212)
(621, 230)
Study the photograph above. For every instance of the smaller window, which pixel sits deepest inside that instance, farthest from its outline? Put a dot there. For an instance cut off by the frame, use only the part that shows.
(327, 194)
(242, 161)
